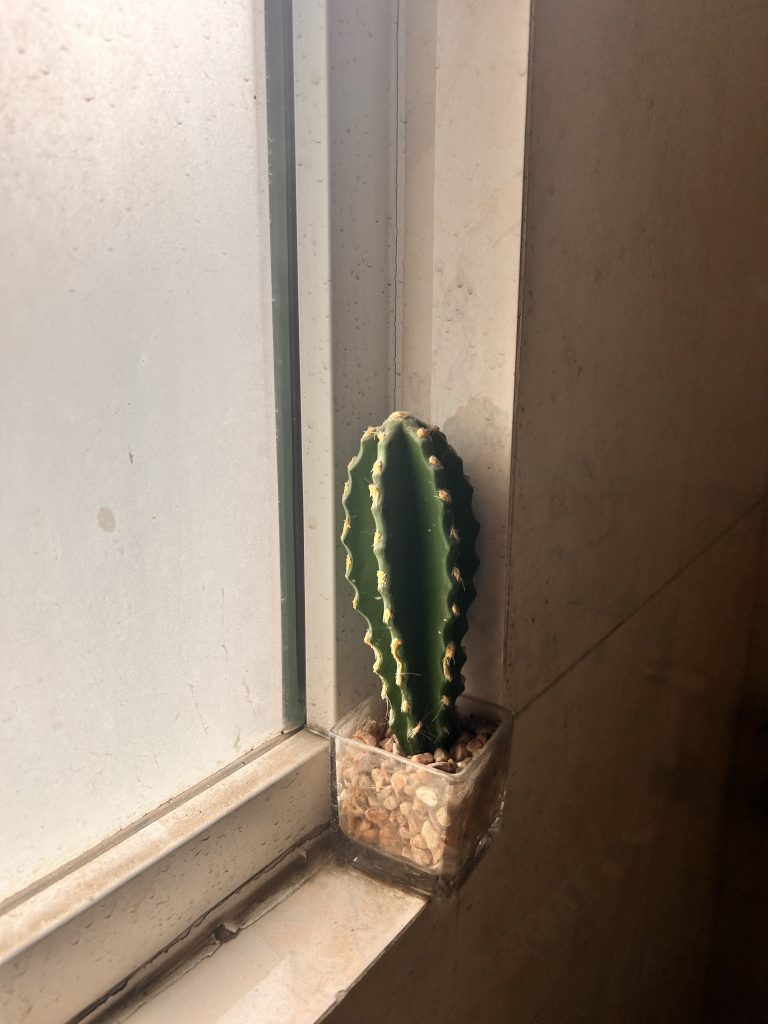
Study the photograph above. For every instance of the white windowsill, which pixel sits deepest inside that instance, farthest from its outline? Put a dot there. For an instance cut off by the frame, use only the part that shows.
(293, 964)
(111, 922)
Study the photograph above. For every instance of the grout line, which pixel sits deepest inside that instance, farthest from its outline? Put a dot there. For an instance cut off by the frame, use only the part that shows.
(675, 576)
(527, 133)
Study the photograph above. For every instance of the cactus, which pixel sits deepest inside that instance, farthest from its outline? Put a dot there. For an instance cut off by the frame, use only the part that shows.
(409, 535)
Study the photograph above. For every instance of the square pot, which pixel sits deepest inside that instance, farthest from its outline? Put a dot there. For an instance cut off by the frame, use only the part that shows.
(410, 822)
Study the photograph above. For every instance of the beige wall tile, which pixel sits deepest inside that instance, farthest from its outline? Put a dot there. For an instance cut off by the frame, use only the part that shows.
(728, 447)
(620, 386)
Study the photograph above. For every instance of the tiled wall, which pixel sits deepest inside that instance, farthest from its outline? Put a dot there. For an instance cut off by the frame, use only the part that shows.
(641, 451)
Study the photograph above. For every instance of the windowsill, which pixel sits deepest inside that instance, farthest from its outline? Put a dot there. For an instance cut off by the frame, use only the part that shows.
(293, 963)
(73, 946)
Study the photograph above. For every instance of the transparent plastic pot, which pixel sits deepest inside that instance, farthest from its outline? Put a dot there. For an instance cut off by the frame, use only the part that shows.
(418, 826)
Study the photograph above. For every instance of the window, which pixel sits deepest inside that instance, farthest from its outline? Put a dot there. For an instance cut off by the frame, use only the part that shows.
(151, 633)
(139, 511)
(376, 305)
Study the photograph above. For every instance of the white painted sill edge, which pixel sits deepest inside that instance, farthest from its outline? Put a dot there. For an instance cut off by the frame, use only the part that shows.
(290, 965)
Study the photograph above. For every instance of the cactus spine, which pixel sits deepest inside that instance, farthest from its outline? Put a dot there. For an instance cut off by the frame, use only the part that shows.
(409, 535)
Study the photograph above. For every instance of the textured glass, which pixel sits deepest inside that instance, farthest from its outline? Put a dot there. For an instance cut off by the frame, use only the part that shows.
(139, 571)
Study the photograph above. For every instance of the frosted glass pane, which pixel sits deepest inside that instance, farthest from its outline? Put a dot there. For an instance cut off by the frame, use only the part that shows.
(139, 577)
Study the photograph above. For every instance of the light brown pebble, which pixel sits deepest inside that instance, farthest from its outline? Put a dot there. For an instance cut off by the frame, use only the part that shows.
(423, 758)
(460, 765)
(418, 842)
(459, 751)
(427, 796)
(476, 745)
(442, 816)
(440, 755)
(399, 780)
(448, 766)
(387, 744)
(377, 815)
(365, 737)
(376, 729)
(353, 809)
(406, 807)
(430, 835)
(379, 777)
(391, 802)
(423, 858)
(414, 824)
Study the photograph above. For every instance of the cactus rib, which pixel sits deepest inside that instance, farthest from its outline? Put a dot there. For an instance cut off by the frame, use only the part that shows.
(362, 568)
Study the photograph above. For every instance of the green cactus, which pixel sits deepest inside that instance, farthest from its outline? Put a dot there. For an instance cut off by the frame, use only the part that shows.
(410, 536)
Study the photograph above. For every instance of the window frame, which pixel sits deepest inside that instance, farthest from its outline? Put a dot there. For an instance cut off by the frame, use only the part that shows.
(79, 940)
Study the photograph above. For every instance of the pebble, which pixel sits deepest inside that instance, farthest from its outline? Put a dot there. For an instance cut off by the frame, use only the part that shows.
(430, 835)
(377, 815)
(423, 758)
(366, 737)
(399, 780)
(414, 824)
(459, 751)
(476, 745)
(440, 755)
(376, 729)
(427, 796)
(448, 766)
